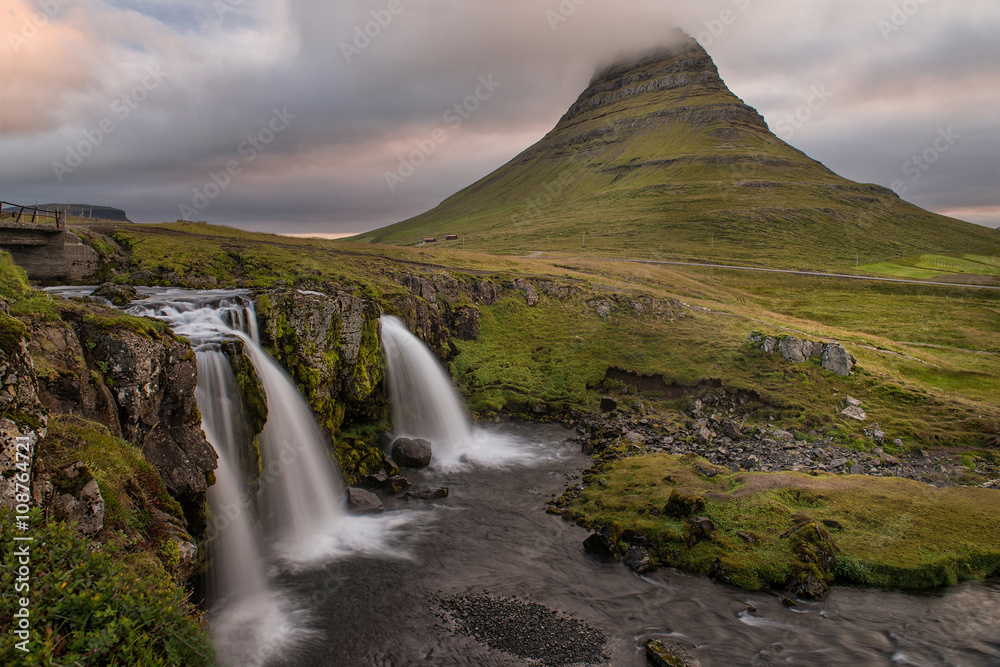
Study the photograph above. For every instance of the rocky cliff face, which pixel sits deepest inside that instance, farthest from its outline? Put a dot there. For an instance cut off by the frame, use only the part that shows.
(22, 417)
(134, 377)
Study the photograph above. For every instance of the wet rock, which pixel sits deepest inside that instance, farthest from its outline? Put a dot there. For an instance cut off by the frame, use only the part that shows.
(428, 494)
(397, 484)
(608, 404)
(660, 653)
(604, 542)
(411, 452)
(638, 560)
(376, 480)
(837, 360)
(119, 295)
(697, 529)
(361, 501)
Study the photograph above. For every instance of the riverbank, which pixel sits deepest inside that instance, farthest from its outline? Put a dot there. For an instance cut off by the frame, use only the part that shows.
(762, 507)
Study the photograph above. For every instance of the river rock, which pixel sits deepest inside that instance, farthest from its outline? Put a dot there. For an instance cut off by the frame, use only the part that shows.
(638, 560)
(360, 501)
(411, 452)
(662, 653)
(604, 542)
(428, 494)
(608, 404)
(119, 295)
(837, 360)
(397, 484)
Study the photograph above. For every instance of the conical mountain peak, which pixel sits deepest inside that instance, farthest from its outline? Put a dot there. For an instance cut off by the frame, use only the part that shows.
(658, 158)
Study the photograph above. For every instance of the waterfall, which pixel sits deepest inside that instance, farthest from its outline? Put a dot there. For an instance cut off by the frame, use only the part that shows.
(241, 573)
(425, 405)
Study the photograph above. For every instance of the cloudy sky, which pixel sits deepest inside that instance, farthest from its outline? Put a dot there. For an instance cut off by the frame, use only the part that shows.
(285, 115)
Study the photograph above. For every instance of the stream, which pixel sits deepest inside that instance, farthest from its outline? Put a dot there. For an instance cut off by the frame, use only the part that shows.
(491, 534)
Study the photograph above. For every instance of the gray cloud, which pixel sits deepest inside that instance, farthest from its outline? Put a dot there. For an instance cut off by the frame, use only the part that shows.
(360, 102)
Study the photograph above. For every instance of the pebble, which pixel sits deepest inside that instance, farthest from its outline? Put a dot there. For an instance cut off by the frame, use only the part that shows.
(527, 630)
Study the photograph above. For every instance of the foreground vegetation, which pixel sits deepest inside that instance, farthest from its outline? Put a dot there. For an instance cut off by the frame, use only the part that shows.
(91, 607)
(886, 532)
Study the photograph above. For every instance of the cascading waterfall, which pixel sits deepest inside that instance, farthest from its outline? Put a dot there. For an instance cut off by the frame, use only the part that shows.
(300, 501)
(425, 405)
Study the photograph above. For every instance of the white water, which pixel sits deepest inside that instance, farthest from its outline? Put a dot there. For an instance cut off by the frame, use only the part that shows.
(425, 405)
(301, 502)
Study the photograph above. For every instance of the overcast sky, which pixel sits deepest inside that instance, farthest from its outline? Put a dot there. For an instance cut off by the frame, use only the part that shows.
(284, 115)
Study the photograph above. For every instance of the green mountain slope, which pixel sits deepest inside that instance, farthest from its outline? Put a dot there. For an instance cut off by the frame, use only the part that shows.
(657, 158)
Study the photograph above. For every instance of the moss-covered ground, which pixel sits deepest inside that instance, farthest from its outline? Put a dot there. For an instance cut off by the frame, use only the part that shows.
(888, 532)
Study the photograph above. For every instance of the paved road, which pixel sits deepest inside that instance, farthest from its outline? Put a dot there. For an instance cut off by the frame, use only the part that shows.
(818, 274)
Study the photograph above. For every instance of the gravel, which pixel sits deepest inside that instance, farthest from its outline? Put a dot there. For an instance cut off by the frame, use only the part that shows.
(526, 630)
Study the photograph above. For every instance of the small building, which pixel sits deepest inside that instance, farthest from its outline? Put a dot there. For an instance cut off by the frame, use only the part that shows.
(430, 239)
(451, 237)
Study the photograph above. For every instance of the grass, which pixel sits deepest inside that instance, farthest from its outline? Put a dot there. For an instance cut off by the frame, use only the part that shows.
(889, 532)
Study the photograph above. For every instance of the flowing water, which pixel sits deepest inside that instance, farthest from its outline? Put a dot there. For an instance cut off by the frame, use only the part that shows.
(491, 534)
(425, 405)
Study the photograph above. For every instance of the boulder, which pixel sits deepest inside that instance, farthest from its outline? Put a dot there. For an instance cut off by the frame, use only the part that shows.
(119, 295)
(411, 452)
(660, 653)
(428, 494)
(797, 350)
(850, 400)
(608, 404)
(360, 501)
(837, 360)
(854, 412)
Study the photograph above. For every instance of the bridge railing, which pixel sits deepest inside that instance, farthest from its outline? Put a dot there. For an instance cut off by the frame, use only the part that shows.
(7, 210)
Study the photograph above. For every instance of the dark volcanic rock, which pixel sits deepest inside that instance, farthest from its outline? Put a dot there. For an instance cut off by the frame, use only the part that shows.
(638, 560)
(119, 295)
(397, 484)
(360, 501)
(428, 494)
(662, 653)
(604, 542)
(411, 452)
(608, 404)
(698, 529)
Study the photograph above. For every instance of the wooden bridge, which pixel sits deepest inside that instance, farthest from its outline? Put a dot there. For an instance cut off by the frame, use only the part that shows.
(43, 246)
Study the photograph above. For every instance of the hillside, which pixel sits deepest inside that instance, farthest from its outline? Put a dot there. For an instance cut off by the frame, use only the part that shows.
(658, 158)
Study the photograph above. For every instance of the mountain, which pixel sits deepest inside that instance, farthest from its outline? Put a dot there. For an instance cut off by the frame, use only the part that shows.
(658, 158)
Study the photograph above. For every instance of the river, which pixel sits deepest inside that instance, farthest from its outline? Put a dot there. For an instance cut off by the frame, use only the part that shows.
(491, 534)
